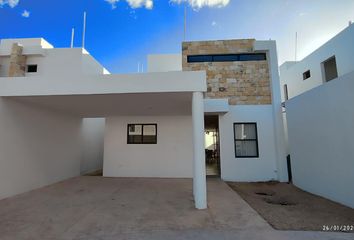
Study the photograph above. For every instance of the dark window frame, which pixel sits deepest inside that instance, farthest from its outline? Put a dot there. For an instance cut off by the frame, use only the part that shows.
(246, 140)
(232, 57)
(30, 66)
(142, 133)
(306, 75)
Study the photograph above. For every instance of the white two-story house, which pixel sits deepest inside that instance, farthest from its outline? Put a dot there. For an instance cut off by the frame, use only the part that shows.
(62, 114)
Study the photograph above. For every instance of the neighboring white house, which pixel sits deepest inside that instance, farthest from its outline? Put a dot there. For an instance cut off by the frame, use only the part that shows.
(334, 59)
(320, 119)
(62, 114)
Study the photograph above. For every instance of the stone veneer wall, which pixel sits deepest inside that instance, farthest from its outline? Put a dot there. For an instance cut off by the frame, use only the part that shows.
(17, 66)
(242, 82)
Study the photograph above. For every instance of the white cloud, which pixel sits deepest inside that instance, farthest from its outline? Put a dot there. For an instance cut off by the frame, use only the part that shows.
(133, 3)
(204, 3)
(140, 3)
(25, 14)
(113, 3)
(11, 3)
(149, 4)
(213, 23)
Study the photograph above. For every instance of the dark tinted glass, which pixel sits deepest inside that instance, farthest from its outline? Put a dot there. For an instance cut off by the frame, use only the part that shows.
(306, 75)
(227, 57)
(246, 148)
(135, 139)
(32, 68)
(200, 58)
(149, 139)
(253, 57)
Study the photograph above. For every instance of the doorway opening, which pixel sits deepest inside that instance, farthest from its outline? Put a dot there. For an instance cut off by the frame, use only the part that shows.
(92, 132)
(212, 146)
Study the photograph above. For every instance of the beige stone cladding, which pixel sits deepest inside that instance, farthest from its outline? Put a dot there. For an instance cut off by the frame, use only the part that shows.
(17, 66)
(242, 82)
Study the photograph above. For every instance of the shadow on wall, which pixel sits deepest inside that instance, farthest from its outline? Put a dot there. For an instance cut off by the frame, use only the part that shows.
(38, 147)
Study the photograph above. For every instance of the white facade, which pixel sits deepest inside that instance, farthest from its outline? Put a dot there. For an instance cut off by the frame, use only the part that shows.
(320, 125)
(100, 105)
(278, 123)
(164, 62)
(340, 47)
(271, 163)
(169, 157)
(74, 86)
(50, 61)
(263, 168)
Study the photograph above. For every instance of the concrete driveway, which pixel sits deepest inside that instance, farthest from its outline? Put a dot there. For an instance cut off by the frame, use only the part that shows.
(136, 208)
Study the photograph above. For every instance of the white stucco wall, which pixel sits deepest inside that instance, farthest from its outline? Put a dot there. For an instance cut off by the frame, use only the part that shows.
(92, 143)
(164, 62)
(248, 169)
(172, 156)
(50, 61)
(341, 46)
(38, 147)
(56, 61)
(6, 44)
(278, 124)
(90, 65)
(321, 131)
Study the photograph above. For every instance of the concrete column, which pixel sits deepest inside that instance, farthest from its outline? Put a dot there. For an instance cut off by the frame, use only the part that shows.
(199, 177)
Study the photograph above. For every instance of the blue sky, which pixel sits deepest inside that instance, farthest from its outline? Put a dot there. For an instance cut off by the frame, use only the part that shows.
(121, 33)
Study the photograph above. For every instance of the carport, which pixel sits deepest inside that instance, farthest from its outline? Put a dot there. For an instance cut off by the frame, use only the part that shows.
(150, 94)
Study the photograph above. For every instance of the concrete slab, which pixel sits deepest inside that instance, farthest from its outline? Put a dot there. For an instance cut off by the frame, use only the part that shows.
(132, 208)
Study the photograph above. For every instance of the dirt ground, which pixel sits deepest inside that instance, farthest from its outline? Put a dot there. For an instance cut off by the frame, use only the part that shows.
(286, 207)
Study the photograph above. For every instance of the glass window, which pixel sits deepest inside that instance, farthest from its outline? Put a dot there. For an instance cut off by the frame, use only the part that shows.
(253, 57)
(200, 58)
(227, 57)
(142, 134)
(246, 140)
(31, 68)
(306, 75)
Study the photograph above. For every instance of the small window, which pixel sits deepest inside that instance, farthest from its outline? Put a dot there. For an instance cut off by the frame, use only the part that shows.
(246, 140)
(306, 75)
(142, 134)
(31, 68)
(329, 69)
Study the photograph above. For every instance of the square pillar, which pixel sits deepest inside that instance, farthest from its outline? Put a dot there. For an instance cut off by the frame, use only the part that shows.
(199, 172)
